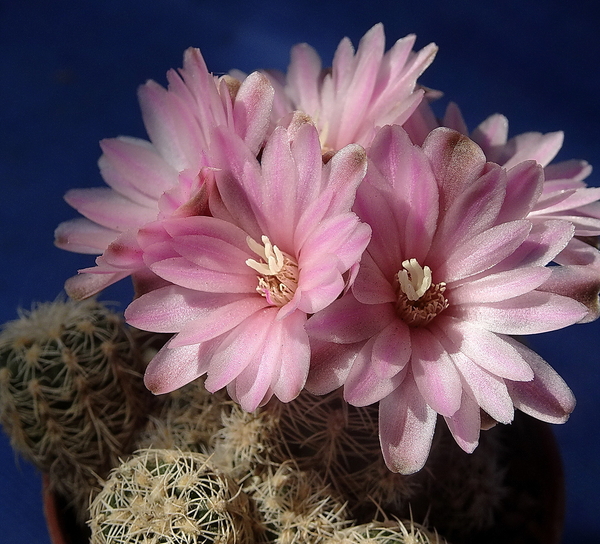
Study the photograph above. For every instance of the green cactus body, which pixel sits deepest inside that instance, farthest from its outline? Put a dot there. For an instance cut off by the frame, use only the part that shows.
(170, 497)
(71, 393)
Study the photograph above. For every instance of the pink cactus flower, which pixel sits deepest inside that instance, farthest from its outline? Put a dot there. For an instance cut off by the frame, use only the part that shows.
(564, 194)
(282, 243)
(362, 91)
(161, 178)
(453, 268)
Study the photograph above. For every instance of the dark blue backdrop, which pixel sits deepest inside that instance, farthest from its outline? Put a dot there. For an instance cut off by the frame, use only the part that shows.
(69, 70)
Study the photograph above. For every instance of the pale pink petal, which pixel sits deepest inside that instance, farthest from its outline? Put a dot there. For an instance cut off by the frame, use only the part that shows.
(531, 313)
(483, 251)
(276, 191)
(85, 285)
(414, 190)
(456, 160)
(486, 349)
(500, 286)
(252, 109)
(487, 389)
(341, 177)
(294, 359)
(584, 226)
(171, 127)
(217, 317)
(532, 145)
(524, 185)
(303, 75)
(465, 423)
(375, 208)
(547, 396)
(109, 209)
(238, 348)
(578, 252)
(491, 135)
(434, 372)
(83, 236)
(377, 369)
(360, 87)
(453, 119)
(133, 168)
(581, 283)
(370, 285)
(171, 369)
(545, 240)
(329, 365)
(124, 252)
(567, 171)
(175, 309)
(346, 321)
(406, 426)
(319, 284)
(580, 197)
(342, 235)
(186, 273)
(473, 211)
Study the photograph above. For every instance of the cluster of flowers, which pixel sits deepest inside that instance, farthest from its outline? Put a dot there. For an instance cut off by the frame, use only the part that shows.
(323, 229)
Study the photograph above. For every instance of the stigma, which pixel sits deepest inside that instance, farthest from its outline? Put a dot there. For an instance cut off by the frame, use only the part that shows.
(277, 271)
(419, 300)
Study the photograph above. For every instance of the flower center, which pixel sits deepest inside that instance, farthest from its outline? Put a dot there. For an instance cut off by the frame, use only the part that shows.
(278, 272)
(419, 299)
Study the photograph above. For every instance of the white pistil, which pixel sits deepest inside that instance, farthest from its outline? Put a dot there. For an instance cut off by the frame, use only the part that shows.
(414, 280)
(419, 299)
(278, 277)
(273, 259)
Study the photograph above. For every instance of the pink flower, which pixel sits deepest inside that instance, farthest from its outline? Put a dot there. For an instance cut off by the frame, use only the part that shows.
(360, 93)
(563, 195)
(162, 178)
(453, 268)
(279, 246)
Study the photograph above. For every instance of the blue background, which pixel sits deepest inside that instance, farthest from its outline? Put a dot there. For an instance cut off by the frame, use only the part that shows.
(69, 70)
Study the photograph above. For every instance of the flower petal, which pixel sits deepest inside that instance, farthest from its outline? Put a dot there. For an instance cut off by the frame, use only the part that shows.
(434, 372)
(547, 396)
(171, 369)
(531, 313)
(346, 321)
(406, 426)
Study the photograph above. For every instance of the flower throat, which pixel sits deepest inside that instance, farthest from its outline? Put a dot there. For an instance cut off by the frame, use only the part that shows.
(419, 300)
(278, 272)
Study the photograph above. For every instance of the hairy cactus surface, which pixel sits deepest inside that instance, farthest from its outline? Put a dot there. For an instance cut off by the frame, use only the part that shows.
(388, 532)
(169, 496)
(188, 419)
(71, 393)
(296, 506)
(341, 442)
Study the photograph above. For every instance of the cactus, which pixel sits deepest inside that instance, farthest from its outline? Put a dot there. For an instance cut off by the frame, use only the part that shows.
(246, 442)
(188, 419)
(296, 506)
(169, 496)
(385, 532)
(341, 442)
(71, 393)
